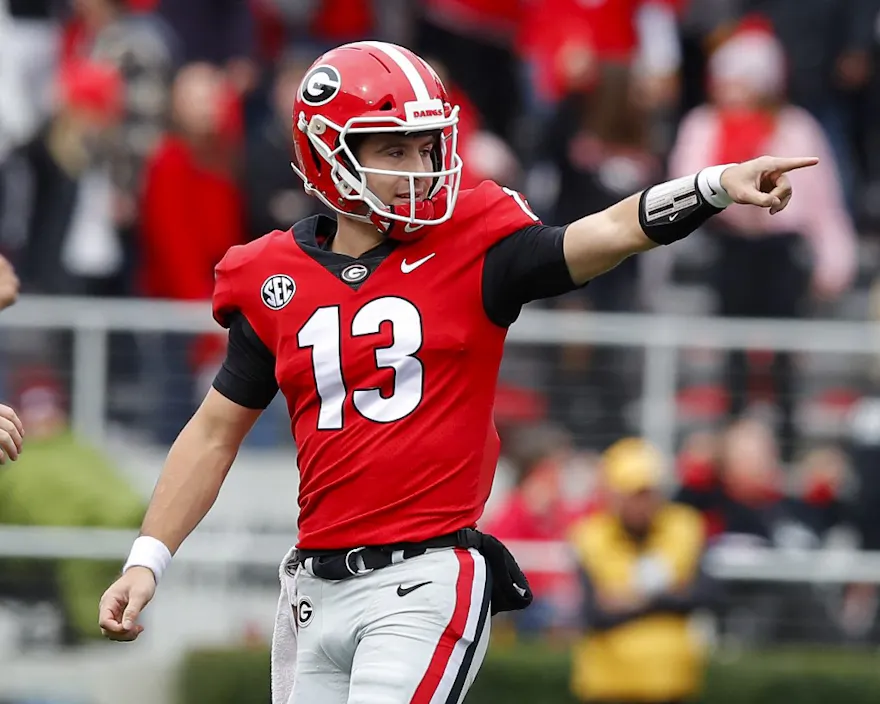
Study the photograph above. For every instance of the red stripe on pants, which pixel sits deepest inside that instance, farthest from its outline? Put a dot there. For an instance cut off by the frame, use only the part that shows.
(453, 632)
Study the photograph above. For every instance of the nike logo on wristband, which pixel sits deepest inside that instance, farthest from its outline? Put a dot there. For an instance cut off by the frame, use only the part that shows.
(403, 591)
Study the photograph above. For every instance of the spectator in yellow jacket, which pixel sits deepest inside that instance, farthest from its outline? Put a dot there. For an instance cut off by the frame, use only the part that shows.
(641, 562)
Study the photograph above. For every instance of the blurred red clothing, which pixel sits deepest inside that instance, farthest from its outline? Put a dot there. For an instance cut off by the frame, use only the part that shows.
(192, 214)
(343, 20)
(515, 520)
(607, 28)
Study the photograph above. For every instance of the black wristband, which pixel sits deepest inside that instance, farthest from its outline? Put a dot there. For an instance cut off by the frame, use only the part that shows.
(670, 211)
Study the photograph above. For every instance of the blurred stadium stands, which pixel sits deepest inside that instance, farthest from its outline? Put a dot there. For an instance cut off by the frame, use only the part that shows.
(577, 104)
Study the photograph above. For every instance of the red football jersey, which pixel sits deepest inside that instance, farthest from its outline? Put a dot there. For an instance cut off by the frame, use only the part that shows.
(390, 387)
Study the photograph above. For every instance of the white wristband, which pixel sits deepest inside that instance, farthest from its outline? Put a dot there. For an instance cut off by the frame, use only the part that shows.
(709, 183)
(151, 553)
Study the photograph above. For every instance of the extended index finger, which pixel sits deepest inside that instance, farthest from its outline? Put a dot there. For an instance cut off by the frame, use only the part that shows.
(783, 164)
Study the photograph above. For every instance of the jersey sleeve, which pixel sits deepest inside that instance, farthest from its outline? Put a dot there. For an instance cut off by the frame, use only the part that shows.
(223, 301)
(526, 266)
(505, 211)
(247, 376)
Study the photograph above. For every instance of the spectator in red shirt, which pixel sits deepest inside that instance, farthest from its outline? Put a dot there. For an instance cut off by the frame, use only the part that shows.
(193, 212)
(536, 510)
(619, 35)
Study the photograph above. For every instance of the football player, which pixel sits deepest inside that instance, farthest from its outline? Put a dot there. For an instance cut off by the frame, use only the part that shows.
(11, 431)
(383, 328)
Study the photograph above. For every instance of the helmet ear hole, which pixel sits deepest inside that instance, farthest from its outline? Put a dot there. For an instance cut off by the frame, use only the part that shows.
(386, 106)
(315, 157)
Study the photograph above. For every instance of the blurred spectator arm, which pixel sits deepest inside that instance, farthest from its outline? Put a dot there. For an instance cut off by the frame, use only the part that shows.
(681, 544)
(600, 614)
(827, 226)
(704, 592)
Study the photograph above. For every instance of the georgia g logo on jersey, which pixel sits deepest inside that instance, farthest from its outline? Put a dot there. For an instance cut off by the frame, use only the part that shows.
(277, 291)
(320, 85)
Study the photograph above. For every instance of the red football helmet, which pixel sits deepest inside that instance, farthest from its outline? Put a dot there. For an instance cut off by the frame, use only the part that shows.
(369, 87)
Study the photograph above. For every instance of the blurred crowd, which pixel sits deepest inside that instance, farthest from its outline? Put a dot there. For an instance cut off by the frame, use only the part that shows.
(139, 139)
(646, 603)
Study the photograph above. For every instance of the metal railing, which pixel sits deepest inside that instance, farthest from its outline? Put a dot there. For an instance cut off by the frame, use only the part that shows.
(662, 337)
(224, 549)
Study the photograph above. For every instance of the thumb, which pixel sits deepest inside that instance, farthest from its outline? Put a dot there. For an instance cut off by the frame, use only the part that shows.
(136, 603)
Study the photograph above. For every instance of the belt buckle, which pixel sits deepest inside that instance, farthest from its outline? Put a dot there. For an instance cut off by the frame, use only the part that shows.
(353, 571)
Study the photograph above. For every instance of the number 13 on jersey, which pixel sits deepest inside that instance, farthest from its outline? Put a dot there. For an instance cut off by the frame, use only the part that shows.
(323, 333)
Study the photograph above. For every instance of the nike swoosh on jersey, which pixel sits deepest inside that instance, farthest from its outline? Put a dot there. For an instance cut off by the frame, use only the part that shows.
(403, 591)
(407, 267)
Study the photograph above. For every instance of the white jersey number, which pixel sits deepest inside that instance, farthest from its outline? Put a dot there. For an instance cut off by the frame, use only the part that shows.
(322, 333)
(521, 202)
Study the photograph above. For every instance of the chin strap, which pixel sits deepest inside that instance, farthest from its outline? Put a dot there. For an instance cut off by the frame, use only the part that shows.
(404, 231)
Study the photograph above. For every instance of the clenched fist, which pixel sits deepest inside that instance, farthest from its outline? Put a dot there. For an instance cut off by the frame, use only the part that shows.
(123, 602)
(8, 284)
(763, 181)
(11, 434)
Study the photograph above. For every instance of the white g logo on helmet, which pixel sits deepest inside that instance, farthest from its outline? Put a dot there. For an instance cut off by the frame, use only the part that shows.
(320, 85)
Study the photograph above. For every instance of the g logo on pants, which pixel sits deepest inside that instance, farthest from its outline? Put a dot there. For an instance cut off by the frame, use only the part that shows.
(304, 612)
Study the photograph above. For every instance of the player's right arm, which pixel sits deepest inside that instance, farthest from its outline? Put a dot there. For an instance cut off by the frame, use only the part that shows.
(197, 464)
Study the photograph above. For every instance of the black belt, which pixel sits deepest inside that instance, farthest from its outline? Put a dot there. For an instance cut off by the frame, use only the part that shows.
(336, 565)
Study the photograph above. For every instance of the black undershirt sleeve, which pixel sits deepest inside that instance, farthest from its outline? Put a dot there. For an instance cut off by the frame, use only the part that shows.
(526, 266)
(247, 376)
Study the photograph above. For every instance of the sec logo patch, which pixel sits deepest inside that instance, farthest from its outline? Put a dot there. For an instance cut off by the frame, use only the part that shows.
(277, 291)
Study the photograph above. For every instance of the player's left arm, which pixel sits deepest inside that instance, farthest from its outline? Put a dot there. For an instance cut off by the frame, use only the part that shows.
(670, 211)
